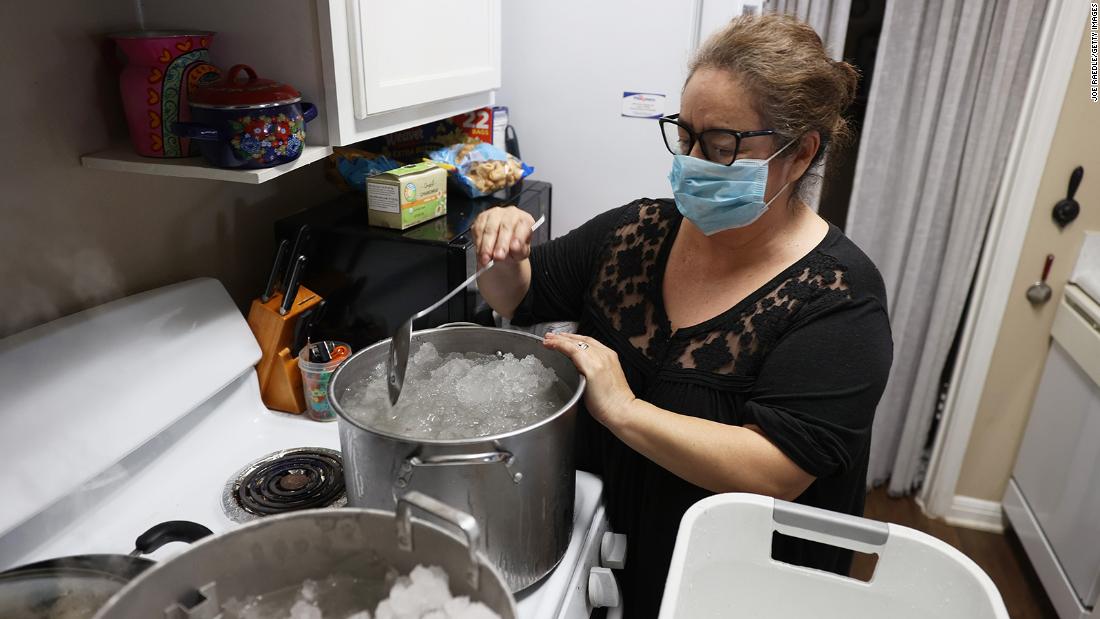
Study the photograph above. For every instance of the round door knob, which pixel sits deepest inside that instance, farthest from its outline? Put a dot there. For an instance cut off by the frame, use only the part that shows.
(613, 550)
(603, 590)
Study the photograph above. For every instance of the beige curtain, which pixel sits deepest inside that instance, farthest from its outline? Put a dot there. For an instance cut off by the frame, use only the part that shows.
(943, 106)
(830, 19)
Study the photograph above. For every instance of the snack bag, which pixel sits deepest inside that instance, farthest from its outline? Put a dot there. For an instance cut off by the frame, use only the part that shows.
(349, 168)
(480, 168)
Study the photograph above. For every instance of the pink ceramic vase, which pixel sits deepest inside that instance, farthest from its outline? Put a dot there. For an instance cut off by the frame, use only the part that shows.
(162, 67)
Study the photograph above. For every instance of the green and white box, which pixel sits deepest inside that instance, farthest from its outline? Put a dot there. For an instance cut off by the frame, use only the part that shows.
(407, 196)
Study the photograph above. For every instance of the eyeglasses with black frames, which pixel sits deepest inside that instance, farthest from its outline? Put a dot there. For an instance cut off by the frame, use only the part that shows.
(718, 145)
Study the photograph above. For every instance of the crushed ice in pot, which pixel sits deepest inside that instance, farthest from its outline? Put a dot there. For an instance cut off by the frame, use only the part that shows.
(457, 395)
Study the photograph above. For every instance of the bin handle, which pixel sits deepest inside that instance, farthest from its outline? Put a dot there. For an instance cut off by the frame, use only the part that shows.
(821, 525)
(448, 514)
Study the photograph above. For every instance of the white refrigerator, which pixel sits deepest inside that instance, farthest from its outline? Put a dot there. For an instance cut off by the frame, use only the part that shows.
(568, 67)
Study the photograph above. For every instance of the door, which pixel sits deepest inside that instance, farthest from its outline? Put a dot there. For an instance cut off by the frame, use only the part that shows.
(418, 51)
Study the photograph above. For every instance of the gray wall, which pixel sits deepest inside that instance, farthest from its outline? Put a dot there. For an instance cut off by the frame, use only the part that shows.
(72, 238)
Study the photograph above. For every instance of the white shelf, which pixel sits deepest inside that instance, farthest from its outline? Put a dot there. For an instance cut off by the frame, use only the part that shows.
(124, 159)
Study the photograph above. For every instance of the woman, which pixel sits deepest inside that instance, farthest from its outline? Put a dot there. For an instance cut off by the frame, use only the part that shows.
(733, 341)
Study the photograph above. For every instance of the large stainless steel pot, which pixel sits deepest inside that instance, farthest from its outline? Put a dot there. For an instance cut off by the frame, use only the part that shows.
(519, 486)
(279, 552)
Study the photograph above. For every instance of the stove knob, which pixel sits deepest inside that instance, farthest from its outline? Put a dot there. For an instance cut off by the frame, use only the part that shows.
(603, 591)
(613, 550)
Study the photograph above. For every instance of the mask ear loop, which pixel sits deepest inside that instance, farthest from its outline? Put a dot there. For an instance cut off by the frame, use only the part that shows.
(776, 153)
(787, 184)
(777, 194)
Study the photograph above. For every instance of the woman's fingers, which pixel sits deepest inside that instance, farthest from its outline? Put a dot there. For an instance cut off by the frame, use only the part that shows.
(568, 348)
(576, 339)
(608, 394)
(504, 239)
(521, 236)
(586, 353)
(501, 233)
(478, 230)
(488, 234)
(514, 238)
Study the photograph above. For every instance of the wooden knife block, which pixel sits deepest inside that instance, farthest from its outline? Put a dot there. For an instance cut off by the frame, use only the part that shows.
(280, 378)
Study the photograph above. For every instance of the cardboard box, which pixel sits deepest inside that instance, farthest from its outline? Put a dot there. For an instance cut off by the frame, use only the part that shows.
(486, 124)
(407, 196)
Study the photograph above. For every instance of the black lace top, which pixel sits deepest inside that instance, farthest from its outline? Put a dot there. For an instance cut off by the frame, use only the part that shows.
(805, 357)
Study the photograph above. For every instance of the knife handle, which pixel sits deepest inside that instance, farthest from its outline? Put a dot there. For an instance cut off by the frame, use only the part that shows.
(292, 285)
(269, 289)
(296, 250)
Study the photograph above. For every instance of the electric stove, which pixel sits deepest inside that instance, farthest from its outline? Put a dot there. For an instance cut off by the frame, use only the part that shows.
(148, 409)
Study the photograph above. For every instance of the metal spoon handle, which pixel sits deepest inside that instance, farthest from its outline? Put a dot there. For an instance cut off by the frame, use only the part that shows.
(469, 280)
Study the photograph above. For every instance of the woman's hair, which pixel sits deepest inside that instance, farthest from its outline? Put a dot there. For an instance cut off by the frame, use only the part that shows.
(794, 85)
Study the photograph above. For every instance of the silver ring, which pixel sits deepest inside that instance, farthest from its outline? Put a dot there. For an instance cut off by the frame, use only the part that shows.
(582, 345)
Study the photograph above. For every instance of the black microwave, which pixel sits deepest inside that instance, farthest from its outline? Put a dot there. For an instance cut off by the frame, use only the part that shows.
(372, 279)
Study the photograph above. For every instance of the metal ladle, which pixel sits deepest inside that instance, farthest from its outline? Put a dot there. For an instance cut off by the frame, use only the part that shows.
(398, 359)
(1039, 292)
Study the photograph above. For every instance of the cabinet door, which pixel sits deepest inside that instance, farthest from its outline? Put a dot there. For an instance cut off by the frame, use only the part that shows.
(417, 51)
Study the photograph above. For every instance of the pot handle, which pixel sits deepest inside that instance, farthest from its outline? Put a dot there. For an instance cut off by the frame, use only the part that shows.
(195, 131)
(166, 532)
(309, 112)
(488, 457)
(444, 512)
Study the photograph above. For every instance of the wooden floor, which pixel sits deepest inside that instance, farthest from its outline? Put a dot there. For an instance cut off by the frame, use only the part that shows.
(1001, 556)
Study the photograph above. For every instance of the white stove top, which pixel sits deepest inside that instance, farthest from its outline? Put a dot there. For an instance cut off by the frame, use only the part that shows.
(179, 475)
(180, 469)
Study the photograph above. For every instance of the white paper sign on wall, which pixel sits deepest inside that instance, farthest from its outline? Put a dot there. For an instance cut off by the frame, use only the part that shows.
(643, 105)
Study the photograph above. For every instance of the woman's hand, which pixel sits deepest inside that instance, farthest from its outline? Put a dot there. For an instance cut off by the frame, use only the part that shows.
(712, 455)
(607, 396)
(502, 233)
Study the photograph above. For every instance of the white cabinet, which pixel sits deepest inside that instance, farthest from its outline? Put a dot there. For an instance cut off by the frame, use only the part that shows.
(410, 53)
(1053, 497)
(372, 67)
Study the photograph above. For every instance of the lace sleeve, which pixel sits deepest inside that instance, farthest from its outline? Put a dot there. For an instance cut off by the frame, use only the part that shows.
(562, 270)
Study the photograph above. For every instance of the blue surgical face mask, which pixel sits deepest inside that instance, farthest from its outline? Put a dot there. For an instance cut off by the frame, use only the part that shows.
(718, 197)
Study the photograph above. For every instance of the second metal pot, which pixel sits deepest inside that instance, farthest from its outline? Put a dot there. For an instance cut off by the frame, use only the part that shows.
(278, 553)
(519, 485)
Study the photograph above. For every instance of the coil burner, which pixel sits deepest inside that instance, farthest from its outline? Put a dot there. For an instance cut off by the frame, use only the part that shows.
(286, 481)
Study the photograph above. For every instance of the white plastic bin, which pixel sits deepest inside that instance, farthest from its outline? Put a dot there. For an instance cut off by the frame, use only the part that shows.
(722, 567)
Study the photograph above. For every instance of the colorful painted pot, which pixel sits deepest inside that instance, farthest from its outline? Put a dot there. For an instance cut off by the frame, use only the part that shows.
(249, 123)
(162, 68)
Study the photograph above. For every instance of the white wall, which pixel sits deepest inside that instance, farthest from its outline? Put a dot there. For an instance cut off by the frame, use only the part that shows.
(566, 66)
(71, 237)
